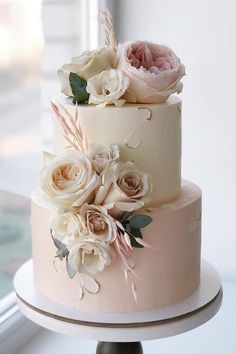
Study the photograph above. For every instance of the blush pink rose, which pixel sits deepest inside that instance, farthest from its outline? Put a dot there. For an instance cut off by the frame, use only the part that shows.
(154, 71)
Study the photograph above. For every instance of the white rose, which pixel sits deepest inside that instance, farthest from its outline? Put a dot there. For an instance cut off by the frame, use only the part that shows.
(107, 87)
(67, 225)
(69, 180)
(124, 187)
(100, 224)
(101, 155)
(86, 65)
(89, 256)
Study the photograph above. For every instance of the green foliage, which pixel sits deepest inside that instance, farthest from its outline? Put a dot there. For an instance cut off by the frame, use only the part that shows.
(133, 224)
(133, 241)
(62, 252)
(140, 221)
(78, 87)
(60, 246)
(70, 270)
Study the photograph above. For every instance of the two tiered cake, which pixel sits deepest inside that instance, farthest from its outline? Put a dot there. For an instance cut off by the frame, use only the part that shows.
(114, 229)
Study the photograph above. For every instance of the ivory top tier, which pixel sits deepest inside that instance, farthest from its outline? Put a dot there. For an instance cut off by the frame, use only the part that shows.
(148, 134)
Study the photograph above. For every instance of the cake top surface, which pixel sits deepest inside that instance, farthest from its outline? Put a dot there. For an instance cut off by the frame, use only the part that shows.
(131, 72)
(172, 100)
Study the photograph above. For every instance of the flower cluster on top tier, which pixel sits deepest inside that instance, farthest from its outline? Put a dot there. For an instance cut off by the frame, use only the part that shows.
(139, 71)
(93, 196)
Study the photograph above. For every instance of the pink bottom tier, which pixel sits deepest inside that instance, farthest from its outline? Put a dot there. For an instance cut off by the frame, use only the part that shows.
(169, 271)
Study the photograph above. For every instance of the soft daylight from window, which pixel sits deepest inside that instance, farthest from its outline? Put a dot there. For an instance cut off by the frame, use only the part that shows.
(20, 57)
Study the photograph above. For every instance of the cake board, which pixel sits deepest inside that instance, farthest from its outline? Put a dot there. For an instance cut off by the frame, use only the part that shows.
(119, 333)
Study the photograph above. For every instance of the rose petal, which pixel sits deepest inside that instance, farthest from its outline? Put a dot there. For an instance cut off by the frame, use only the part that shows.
(154, 71)
(107, 87)
(129, 206)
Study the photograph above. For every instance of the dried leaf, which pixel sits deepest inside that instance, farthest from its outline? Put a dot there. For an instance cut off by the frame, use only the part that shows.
(126, 275)
(131, 263)
(73, 134)
(106, 20)
(118, 223)
(127, 240)
(134, 290)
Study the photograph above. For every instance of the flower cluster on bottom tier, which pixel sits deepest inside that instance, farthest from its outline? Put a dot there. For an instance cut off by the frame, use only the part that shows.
(167, 272)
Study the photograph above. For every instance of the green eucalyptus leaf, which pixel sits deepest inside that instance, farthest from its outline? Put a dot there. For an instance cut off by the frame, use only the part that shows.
(140, 221)
(136, 233)
(76, 83)
(81, 97)
(133, 232)
(59, 256)
(70, 270)
(127, 227)
(133, 241)
(124, 223)
(125, 217)
(61, 247)
(62, 254)
(78, 88)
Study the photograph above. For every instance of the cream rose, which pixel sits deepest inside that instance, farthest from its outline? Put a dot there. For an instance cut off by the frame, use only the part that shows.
(67, 225)
(107, 87)
(124, 187)
(101, 155)
(100, 224)
(89, 255)
(69, 180)
(154, 71)
(86, 65)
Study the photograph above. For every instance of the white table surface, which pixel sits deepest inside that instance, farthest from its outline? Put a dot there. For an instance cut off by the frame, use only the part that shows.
(217, 336)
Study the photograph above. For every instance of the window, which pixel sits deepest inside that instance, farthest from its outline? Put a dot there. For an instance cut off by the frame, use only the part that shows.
(27, 83)
(20, 56)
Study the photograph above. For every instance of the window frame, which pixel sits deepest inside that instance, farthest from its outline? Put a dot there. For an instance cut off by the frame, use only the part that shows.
(12, 320)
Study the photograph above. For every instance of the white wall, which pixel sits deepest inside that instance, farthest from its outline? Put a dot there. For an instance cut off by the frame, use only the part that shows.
(202, 33)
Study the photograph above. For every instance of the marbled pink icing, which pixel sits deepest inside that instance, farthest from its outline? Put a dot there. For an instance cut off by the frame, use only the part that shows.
(169, 272)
